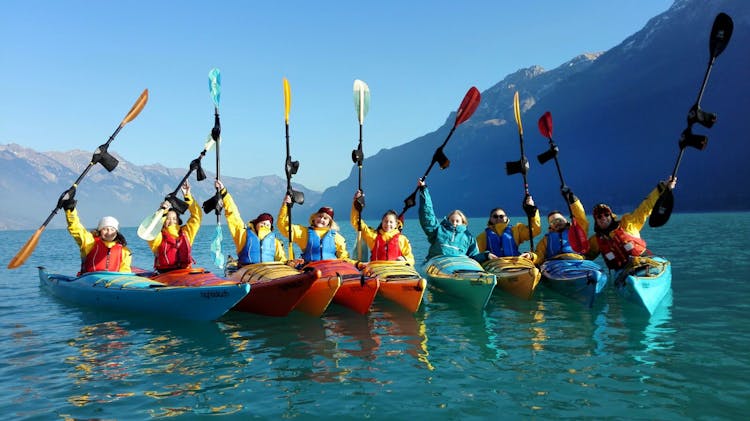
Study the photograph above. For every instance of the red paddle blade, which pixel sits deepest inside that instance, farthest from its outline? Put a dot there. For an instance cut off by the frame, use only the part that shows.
(577, 238)
(545, 125)
(468, 105)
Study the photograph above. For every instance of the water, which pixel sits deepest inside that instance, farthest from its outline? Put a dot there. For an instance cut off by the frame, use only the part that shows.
(545, 358)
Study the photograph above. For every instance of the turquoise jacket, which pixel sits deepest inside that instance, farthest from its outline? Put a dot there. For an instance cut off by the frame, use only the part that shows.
(445, 239)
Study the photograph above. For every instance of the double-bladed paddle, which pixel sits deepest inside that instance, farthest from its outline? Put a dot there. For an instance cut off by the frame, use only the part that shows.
(215, 203)
(290, 168)
(361, 106)
(522, 165)
(102, 156)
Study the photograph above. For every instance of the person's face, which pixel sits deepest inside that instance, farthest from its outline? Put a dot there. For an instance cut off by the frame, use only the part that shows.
(171, 219)
(455, 219)
(498, 216)
(557, 222)
(108, 233)
(389, 223)
(263, 224)
(321, 220)
(603, 220)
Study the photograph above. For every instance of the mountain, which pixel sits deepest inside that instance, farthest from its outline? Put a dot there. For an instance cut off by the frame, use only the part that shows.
(31, 182)
(617, 120)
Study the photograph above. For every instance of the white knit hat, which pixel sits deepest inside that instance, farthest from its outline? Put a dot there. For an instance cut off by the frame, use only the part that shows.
(109, 221)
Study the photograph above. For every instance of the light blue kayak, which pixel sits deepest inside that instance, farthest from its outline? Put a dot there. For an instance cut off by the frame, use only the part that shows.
(461, 277)
(647, 282)
(128, 292)
(581, 280)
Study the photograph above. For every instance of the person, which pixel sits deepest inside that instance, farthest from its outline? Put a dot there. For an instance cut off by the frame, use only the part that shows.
(450, 236)
(386, 242)
(102, 249)
(320, 240)
(557, 241)
(172, 247)
(500, 239)
(256, 241)
(617, 240)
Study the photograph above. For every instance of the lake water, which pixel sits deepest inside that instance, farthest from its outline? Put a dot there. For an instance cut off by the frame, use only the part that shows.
(546, 358)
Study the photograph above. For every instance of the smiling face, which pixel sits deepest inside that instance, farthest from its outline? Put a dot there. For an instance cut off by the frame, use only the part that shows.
(171, 219)
(455, 219)
(557, 222)
(603, 220)
(321, 220)
(108, 233)
(389, 222)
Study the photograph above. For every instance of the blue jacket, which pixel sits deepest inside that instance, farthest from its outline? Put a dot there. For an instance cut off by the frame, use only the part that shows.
(257, 250)
(444, 238)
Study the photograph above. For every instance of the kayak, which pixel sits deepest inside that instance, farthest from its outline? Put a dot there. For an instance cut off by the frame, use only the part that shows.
(356, 292)
(277, 288)
(129, 292)
(574, 277)
(515, 275)
(317, 299)
(646, 281)
(462, 277)
(399, 282)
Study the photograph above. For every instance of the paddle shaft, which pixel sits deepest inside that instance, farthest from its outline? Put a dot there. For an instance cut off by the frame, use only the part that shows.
(289, 191)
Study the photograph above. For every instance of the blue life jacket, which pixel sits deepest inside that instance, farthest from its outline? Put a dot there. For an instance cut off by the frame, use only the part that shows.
(319, 248)
(501, 245)
(257, 250)
(557, 243)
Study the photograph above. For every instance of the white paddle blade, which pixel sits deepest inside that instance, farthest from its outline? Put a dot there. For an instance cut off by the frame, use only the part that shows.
(151, 226)
(209, 143)
(361, 99)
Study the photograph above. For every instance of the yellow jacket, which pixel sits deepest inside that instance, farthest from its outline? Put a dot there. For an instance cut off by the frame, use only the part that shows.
(239, 234)
(299, 233)
(85, 240)
(579, 215)
(520, 231)
(370, 235)
(191, 227)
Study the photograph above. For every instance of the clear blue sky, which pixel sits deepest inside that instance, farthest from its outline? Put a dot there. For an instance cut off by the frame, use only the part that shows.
(72, 69)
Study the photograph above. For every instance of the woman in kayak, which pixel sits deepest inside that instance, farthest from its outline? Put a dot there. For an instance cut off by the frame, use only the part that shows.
(255, 242)
(500, 239)
(563, 238)
(386, 242)
(619, 239)
(102, 249)
(450, 236)
(320, 240)
(172, 247)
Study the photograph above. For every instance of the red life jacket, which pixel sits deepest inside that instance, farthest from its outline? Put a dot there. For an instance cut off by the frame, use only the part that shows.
(102, 258)
(577, 238)
(618, 246)
(386, 250)
(173, 253)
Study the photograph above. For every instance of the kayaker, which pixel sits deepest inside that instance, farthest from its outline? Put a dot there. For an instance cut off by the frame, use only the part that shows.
(450, 236)
(320, 240)
(256, 241)
(619, 239)
(557, 241)
(172, 246)
(102, 249)
(387, 242)
(504, 239)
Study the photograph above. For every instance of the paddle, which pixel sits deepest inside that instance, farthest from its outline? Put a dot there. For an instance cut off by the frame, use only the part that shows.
(215, 203)
(152, 224)
(291, 168)
(577, 236)
(522, 165)
(361, 106)
(721, 33)
(100, 156)
(464, 112)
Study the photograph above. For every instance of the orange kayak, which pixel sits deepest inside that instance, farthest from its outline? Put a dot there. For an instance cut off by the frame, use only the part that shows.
(399, 282)
(276, 287)
(192, 277)
(515, 275)
(356, 292)
(319, 296)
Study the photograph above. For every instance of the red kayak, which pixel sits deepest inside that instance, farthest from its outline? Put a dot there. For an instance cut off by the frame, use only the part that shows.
(356, 292)
(276, 288)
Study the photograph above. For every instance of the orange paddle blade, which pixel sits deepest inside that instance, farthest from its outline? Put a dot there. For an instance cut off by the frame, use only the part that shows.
(26, 250)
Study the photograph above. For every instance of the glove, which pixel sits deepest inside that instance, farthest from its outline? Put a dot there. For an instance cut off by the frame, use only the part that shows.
(568, 195)
(530, 210)
(69, 204)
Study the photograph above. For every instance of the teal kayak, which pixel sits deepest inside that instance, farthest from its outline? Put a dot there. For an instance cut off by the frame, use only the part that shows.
(646, 281)
(128, 292)
(461, 277)
(581, 280)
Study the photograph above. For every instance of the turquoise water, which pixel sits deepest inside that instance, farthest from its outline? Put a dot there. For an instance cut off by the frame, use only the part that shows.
(545, 358)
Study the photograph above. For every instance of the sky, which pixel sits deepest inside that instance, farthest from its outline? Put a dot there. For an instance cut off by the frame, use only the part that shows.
(72, 69)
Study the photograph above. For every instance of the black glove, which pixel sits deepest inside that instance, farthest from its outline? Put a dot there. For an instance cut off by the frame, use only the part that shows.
(69, 204)
(568, 195)
(530, 210)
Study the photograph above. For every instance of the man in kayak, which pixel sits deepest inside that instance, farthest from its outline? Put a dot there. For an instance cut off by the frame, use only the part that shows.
(320, 240)
(500, 239)
(565, 239)
(172, 247)
(387, 242)
(102, 249)
(619, 239)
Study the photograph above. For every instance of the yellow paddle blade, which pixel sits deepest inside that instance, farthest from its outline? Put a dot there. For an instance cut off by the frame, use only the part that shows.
(287, 100)
(26, 250)
(517, 113)
(137, 107)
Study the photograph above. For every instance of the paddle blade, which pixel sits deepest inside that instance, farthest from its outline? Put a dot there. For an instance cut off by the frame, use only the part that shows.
(721, 32)
(577, 238)
(151, 226)
(219, 259)
(361, 99)
(26, 250)
(517, 113)
(545, 125)
(468, 105)
(136, 109)
(287, 100)
(545, 156)
(662, 209)
(441, 159)
(214, 86)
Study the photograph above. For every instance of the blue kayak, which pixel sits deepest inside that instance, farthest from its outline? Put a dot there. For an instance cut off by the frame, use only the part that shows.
(646, 281)
(461, 277)
(129, 292)
(581, 280)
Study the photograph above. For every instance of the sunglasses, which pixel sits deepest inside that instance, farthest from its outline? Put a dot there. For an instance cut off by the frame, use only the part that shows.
(603, 215)
(500, 216)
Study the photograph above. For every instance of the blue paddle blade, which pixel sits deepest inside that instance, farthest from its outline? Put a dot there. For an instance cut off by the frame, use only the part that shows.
(214, 85)
(216, 248)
